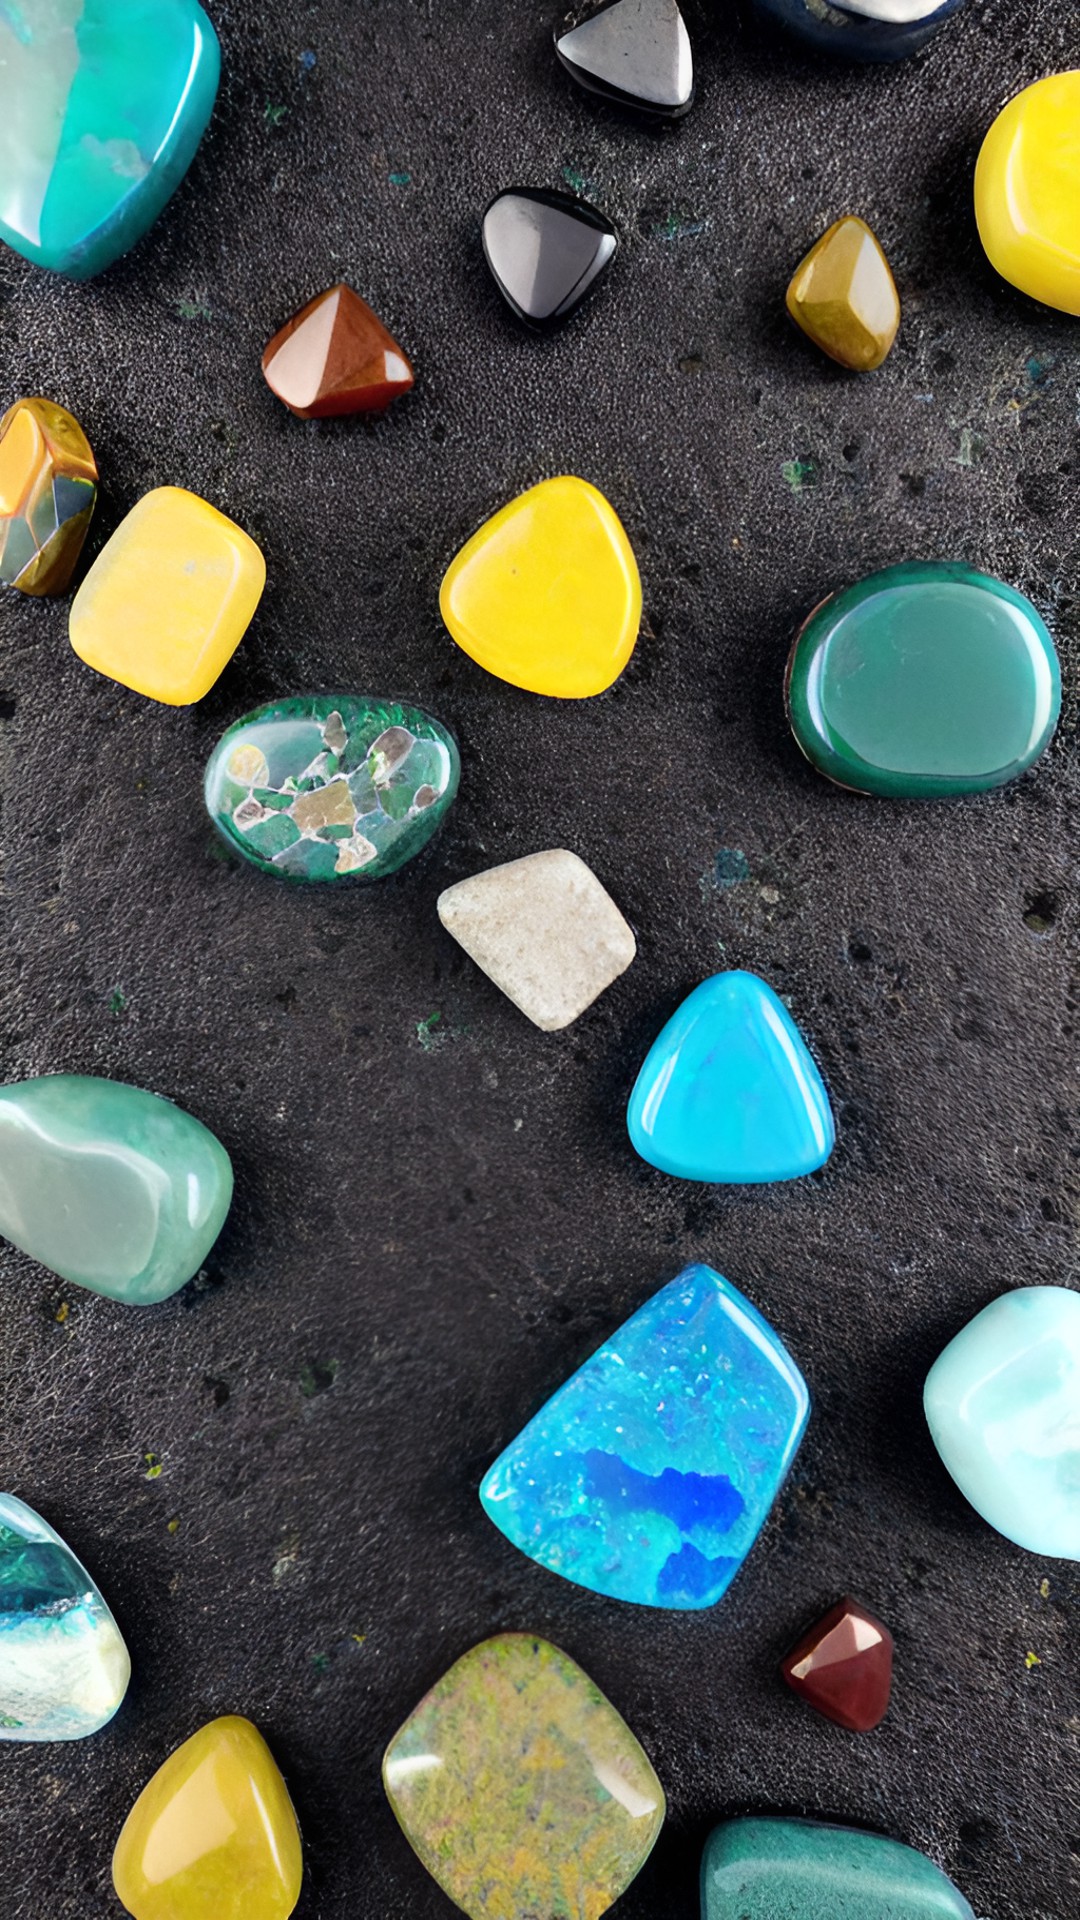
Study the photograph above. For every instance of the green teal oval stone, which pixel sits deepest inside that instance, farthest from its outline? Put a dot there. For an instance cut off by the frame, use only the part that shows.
(332, 787)
(110, 1187)
(774, 1869)
(924, 680)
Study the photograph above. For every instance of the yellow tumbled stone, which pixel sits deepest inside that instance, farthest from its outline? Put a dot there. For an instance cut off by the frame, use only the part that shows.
(844, 297)
(169, 599)
(1027, 192)
(213, 1836)
(547, 594)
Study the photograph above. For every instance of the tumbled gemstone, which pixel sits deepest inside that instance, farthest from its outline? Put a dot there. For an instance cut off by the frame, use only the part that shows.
(48, 486)
(102, 106)
(843, 1667)
(334, 787)
(1027, 191)
(547, 594)
(729, 1092)
(335, 357)
(64, 1669)
(844, 297)
(1003, 1405)
(212, 1834)
(110, 1187)
(865, 30)
(522, 1790)
(650, 1474)
(544, 930)
(169, 598)
(545, 251)
(924, 680)
(759, 1869)
(635, 53)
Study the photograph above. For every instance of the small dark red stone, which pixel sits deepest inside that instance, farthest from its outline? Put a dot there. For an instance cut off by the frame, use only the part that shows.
(843, 1667)
(335, 356)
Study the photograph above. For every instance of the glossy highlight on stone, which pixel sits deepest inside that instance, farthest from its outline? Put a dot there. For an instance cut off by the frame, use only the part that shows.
(635, 53)
(650, 1474)
(844, 297)
(1027, 191)
(1003, 1405)
(521, 1789)
(922, 681)
(762, 1869)
(843, 1667)
(331, 787)
(109, 1187)
(546, 251)
(547, 594)
(728, 1091)
(862, 30)
(169, 598)
(64, 1669)
(213, 1835)
(335, 357)
(103, 104)
(48, 486)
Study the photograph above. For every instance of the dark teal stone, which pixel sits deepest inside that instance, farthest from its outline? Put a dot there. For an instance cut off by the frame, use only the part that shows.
(773, 1869)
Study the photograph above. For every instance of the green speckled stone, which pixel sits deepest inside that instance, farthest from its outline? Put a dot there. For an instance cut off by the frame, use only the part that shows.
(333, 787)
(772, 1869)
(924, 680)
(111, 1188)
(522, 1790)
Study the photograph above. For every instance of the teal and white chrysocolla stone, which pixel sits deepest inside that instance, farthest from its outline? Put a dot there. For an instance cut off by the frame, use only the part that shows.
(64, 1668)
(331, 787)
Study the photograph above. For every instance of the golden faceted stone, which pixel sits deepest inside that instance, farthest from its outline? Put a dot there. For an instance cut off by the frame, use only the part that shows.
(844, 297)
(48, 486)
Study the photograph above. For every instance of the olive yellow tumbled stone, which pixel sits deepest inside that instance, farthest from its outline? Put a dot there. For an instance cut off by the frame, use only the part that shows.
(844, 297)
(169, 599)
(1027, 192)
(547, 594)
(213, 1834)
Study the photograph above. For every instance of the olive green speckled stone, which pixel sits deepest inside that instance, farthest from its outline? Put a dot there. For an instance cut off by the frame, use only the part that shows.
(772, 1869)
(520, 1787)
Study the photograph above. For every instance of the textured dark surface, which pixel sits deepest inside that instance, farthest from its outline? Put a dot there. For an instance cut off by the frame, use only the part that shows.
(273, 1476)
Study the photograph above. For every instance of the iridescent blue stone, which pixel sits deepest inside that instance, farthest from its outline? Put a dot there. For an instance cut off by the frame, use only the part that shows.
(649, 1475)
(63, 1667)
(884, 30)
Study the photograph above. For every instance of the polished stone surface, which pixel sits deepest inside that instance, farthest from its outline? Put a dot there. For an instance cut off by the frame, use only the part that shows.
(922, 681)
(844, 297)
(544, 930)
(1003, 1405)
(48, 486)
(773, 1869)
(635, 53)
(213, 1835)
(650, 1474)
(169, 598)
(1027, 191)
(547, 594)
(335, 357)
(332, 787)
(64, 1669)
(843, 1667)
(728, 1091)
(111, 1188)
(546, 251)
(522, 1790)
(102, 106)
(885, 30)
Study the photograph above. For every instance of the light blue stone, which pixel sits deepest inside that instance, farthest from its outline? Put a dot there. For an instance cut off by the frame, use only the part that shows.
(64, 1668)
(1003, 1403)
(649, 1475)
(729, 1092)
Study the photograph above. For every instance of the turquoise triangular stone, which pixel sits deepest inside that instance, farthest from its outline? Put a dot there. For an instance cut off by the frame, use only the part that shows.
(729, 1091)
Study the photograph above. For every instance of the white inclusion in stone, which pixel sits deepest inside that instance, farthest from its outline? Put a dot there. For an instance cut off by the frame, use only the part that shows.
(38, 64)
(897, 13)
(121, 157)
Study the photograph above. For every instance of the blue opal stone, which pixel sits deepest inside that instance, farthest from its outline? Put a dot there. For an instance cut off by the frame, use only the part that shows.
(882, 30)
(1003, 1403)
(728, 1091)
(64, 1668)
(650, 1474)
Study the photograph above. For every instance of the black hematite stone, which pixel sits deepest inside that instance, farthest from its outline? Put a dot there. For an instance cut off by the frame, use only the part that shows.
(546, 251)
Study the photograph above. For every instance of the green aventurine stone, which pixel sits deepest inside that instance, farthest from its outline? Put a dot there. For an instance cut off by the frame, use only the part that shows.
(772, 1869)
(111, 1188)
(925, 680)
(333, 787)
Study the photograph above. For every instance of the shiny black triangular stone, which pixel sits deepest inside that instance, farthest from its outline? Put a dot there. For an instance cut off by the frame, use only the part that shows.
(546, 250)
(634, 52)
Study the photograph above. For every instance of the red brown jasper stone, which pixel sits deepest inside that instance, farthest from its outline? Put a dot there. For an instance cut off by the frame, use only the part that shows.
(334, 357)
(843, 1667)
